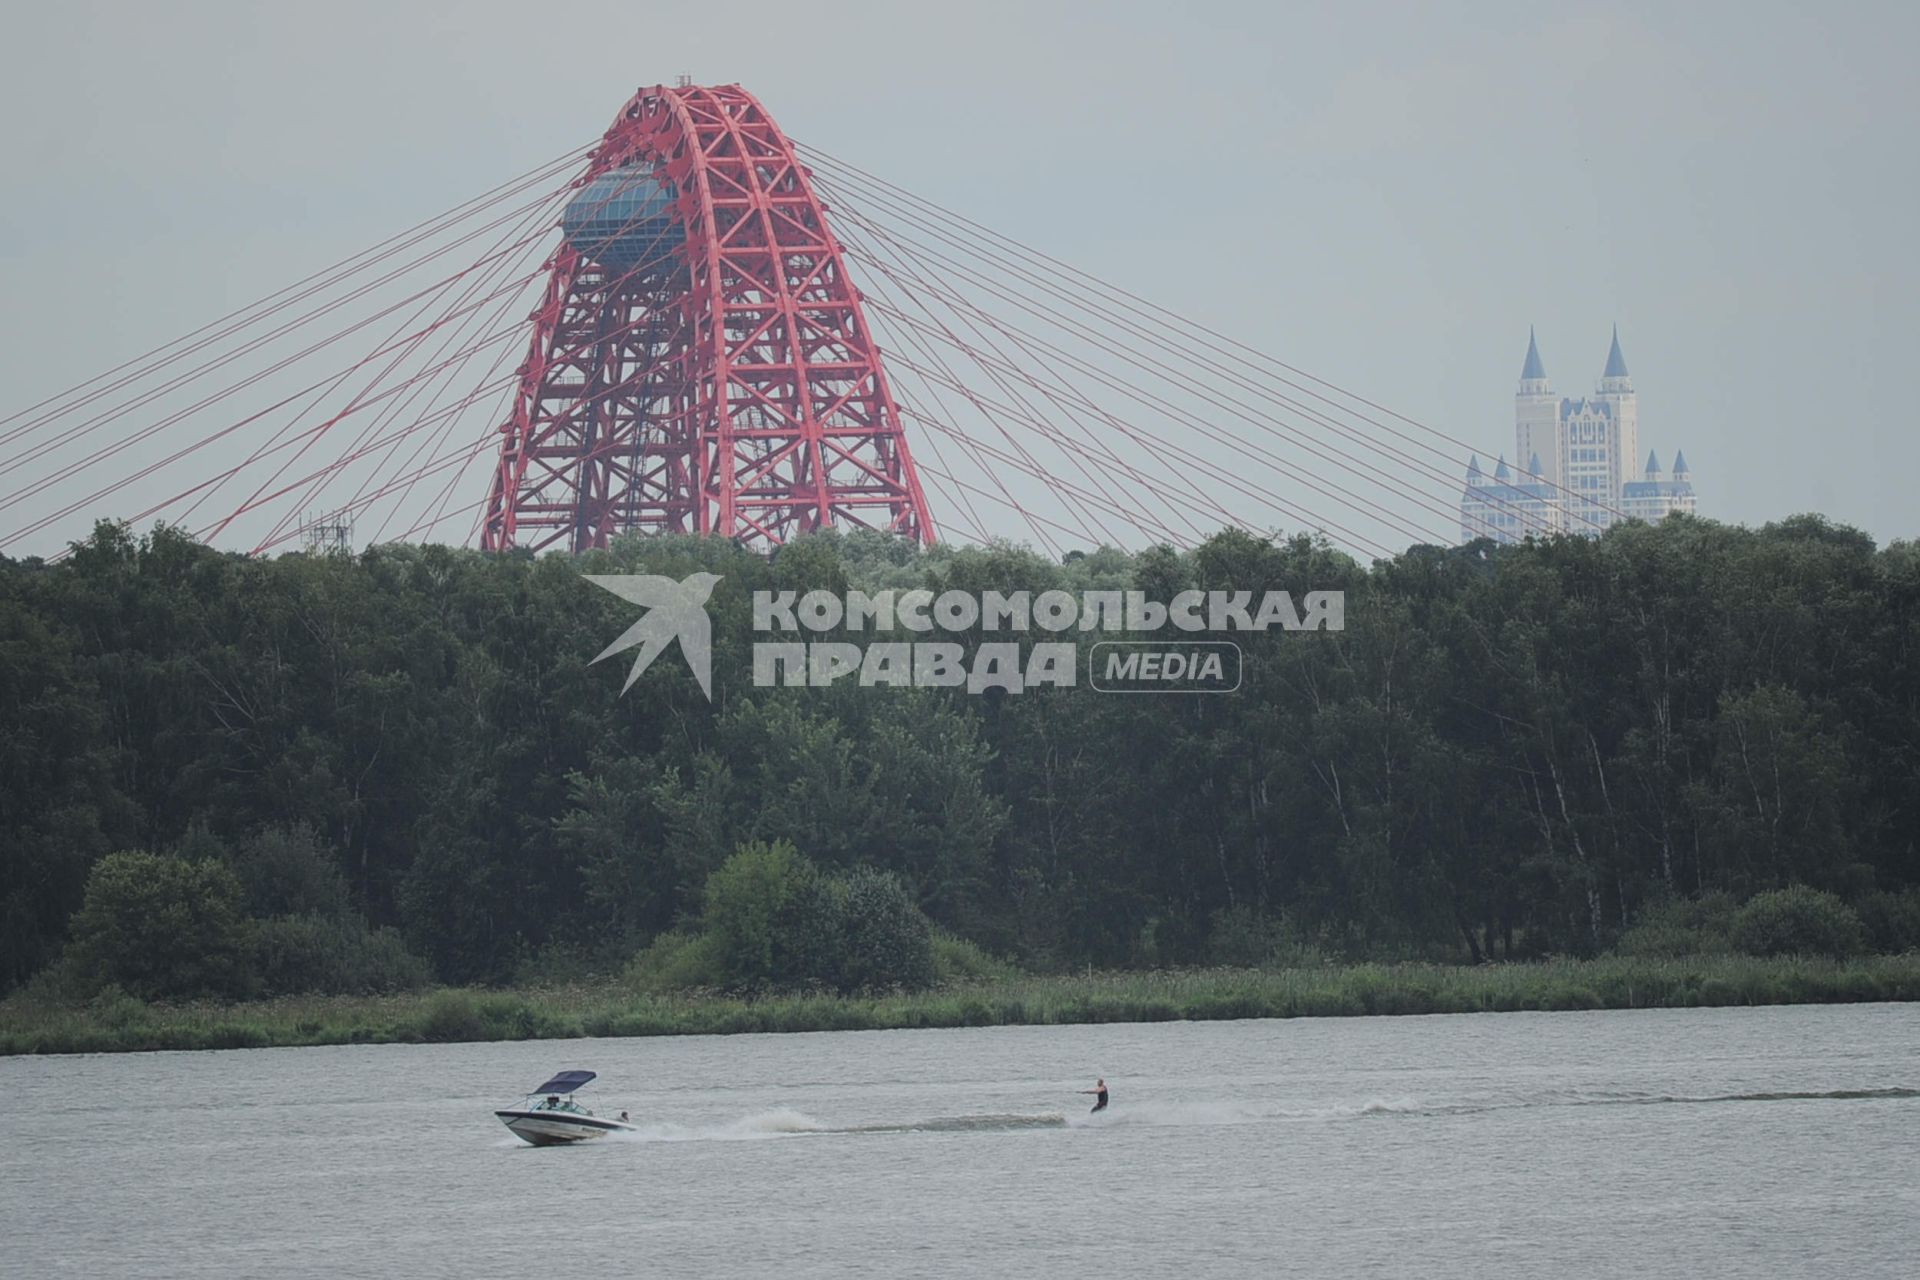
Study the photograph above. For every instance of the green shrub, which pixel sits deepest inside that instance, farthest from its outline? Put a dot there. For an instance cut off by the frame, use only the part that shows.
(334, 955)
(754, 904)
(60, 984)
(957, 960)
(561, 964)
(231, 1035)
(385, 963)
(676, 961)
(1241, 937)
(163, 928)
(290, 871)
(881, 938)
(1681, 927)
(506, 1016)
(1797, 921)
(774, 921)
(1658, 938)
(1892, 920)
(114, 1008)
(453, 1016)
(460, 1015)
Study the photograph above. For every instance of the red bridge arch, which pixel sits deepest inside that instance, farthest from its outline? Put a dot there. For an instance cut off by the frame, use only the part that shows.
(700, 361)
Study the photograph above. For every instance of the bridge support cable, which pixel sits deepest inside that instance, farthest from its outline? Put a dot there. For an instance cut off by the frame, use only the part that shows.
(426, 363)
(1420, 449)
(1162, 456)
(26, 420)
(1342, 462)
(1033, 350)
(917, 291)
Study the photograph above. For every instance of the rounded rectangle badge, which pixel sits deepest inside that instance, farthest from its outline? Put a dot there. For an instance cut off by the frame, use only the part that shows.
(1165, 666)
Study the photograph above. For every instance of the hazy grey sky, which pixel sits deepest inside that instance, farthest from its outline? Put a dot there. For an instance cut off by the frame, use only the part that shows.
(1387, 195)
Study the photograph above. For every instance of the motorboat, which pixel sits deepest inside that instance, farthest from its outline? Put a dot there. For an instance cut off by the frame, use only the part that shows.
(550, 1117)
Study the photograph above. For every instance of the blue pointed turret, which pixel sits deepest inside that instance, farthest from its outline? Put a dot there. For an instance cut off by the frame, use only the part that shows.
(1500, 472)
(1679, 463)
(1653, 464)
(1533, 466)
(1533, 368)
(1473, 466)
(1616, 363)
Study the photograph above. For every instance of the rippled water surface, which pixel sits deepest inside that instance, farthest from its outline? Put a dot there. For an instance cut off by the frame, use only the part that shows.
(1662, 1143)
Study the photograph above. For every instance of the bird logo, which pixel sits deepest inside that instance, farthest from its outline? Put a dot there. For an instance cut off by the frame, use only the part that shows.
(675, 611)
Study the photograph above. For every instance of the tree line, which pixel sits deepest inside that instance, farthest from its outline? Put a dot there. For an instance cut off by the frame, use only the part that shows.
(404, 762)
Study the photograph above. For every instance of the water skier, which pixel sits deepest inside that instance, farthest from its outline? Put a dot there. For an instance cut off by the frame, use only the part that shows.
(1099, 1092)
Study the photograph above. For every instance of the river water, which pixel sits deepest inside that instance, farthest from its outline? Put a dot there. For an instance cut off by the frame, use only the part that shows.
(1698, 1143)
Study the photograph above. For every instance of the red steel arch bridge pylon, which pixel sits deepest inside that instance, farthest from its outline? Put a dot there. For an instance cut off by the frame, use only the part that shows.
(700, 361)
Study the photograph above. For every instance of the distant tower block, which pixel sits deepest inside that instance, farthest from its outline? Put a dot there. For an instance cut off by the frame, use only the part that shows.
(701, 362)
(1584, 470)
(1616, 391)
(1536, 414)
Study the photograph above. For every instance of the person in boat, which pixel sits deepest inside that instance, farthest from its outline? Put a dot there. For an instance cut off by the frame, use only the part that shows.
(1099, 1092)
(625, 1119)
(553, 1102)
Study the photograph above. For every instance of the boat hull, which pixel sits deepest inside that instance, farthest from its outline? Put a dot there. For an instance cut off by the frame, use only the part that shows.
(558, 1128)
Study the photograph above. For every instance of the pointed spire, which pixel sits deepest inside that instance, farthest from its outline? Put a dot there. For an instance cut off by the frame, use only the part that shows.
(1500, 472)
(1653, 463)
(1473, 466)
(1616, 363)
(1533, 465)
(1679, 463)
(1533, 367)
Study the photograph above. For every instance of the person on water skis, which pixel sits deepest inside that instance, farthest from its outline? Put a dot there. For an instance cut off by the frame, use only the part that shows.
(1099, 1092)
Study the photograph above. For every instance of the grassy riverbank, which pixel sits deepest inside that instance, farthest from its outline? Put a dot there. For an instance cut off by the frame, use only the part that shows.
(123, 1024)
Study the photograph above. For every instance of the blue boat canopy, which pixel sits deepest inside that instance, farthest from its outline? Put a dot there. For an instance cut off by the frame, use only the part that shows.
(566, 1082)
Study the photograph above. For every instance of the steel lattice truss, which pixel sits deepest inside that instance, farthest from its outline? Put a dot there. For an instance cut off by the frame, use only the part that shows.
(728, 384)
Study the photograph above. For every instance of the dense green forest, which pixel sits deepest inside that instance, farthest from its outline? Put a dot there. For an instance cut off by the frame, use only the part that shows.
(345, 772)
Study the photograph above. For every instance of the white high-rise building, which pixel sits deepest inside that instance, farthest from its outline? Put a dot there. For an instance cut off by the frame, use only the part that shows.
(1583, 469)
